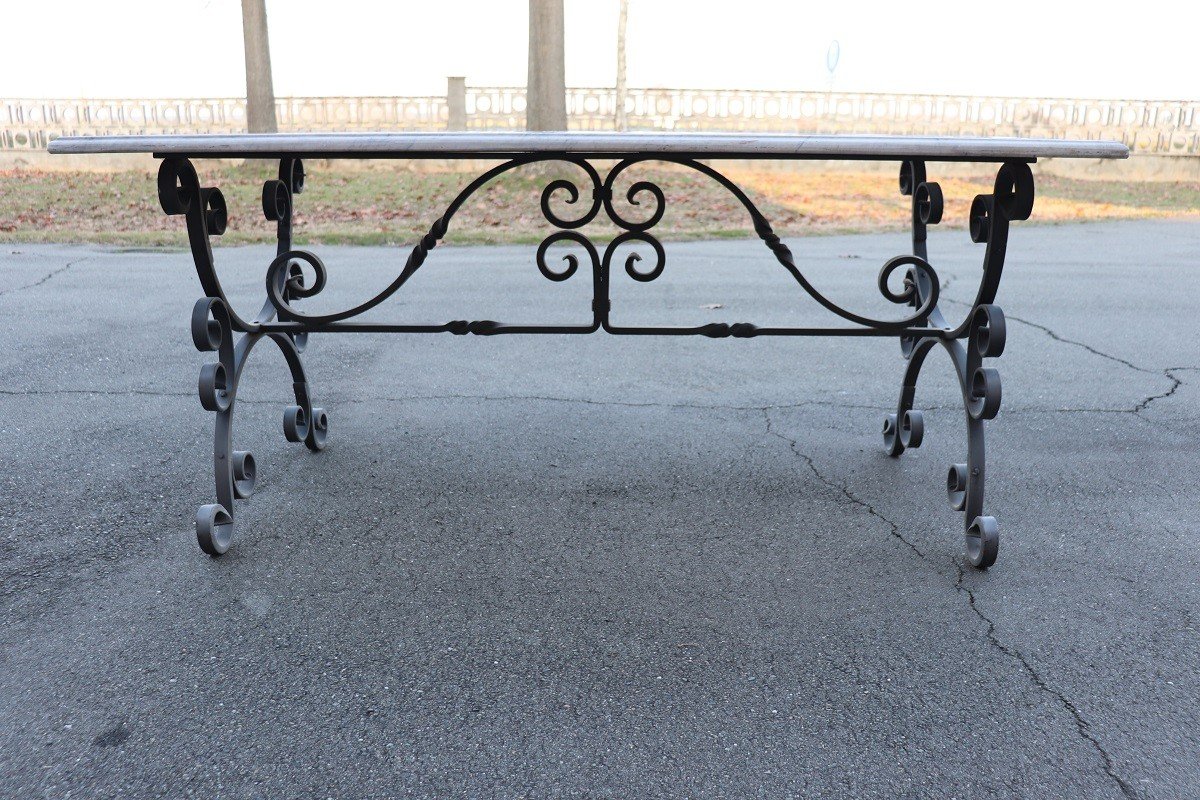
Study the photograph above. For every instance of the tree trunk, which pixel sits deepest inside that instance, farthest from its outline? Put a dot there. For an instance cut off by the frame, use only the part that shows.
(621, 122)
(546, 95)
(260, 94)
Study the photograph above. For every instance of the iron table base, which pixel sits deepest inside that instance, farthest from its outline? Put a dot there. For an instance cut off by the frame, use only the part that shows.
(217, 327)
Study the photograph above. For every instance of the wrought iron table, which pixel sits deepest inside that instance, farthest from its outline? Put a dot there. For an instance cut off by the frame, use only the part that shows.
(215, 323)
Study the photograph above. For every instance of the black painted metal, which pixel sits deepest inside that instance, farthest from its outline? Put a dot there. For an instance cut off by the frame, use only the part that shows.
(983, 327)
(215, 323)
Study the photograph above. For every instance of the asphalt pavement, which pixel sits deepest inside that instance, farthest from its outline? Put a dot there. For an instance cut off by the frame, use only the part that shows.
(597, 566)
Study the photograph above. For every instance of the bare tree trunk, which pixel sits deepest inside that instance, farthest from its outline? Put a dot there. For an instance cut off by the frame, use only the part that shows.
(546, 95)
(622, 122)
(260, 94)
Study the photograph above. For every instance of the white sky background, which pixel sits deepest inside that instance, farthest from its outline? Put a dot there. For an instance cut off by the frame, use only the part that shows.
(193, 48)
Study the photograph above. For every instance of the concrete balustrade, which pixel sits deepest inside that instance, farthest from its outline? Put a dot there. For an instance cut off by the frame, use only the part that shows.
(1163, 135)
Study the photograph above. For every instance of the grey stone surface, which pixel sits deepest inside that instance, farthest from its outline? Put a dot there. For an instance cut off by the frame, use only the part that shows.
(712, 145)
(602, 567)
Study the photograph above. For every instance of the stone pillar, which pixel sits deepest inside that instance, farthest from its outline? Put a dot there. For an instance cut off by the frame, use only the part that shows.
(622, 122)
(456, 102)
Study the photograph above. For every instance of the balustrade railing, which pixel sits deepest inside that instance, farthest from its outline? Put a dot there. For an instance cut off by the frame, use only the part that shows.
(1147, 126)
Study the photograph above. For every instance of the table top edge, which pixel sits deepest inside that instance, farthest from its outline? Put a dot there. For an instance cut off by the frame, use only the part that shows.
(516, 144)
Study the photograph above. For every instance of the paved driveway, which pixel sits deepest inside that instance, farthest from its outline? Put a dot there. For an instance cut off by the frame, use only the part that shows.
(602, 567)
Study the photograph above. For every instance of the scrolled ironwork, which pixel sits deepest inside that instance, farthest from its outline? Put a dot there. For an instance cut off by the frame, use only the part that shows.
(1014, 191)
(909, 294)
(633, 259)
(570, 259)
(214, 328)
(437, 231)
(573, 196)
(276, 200)
(981, 218)
(634, 231)
(295, 274)
(929, 203)
(988, 331)
(783, 254)
(244, 473)
(286, 282)
(636, 189)
(956, 486)
(983, 541)
(984, 330)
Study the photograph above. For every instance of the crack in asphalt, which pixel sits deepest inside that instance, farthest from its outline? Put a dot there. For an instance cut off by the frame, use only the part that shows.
(1168, 373)
(1081, 724)
(840, 488)
(1142, 405)
(1176, 382)
(46, 277)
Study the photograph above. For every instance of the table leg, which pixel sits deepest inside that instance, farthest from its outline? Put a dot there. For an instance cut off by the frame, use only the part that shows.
(216, 325)
(983, 328)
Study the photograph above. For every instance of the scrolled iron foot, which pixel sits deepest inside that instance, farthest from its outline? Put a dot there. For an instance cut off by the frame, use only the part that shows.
(905, 434)
(983, 542)
(912, 429)
(295, 424)
(235, 471)
(214, 529)
(317, 431)
(891, 436)
(300, 426)
(980, 388)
